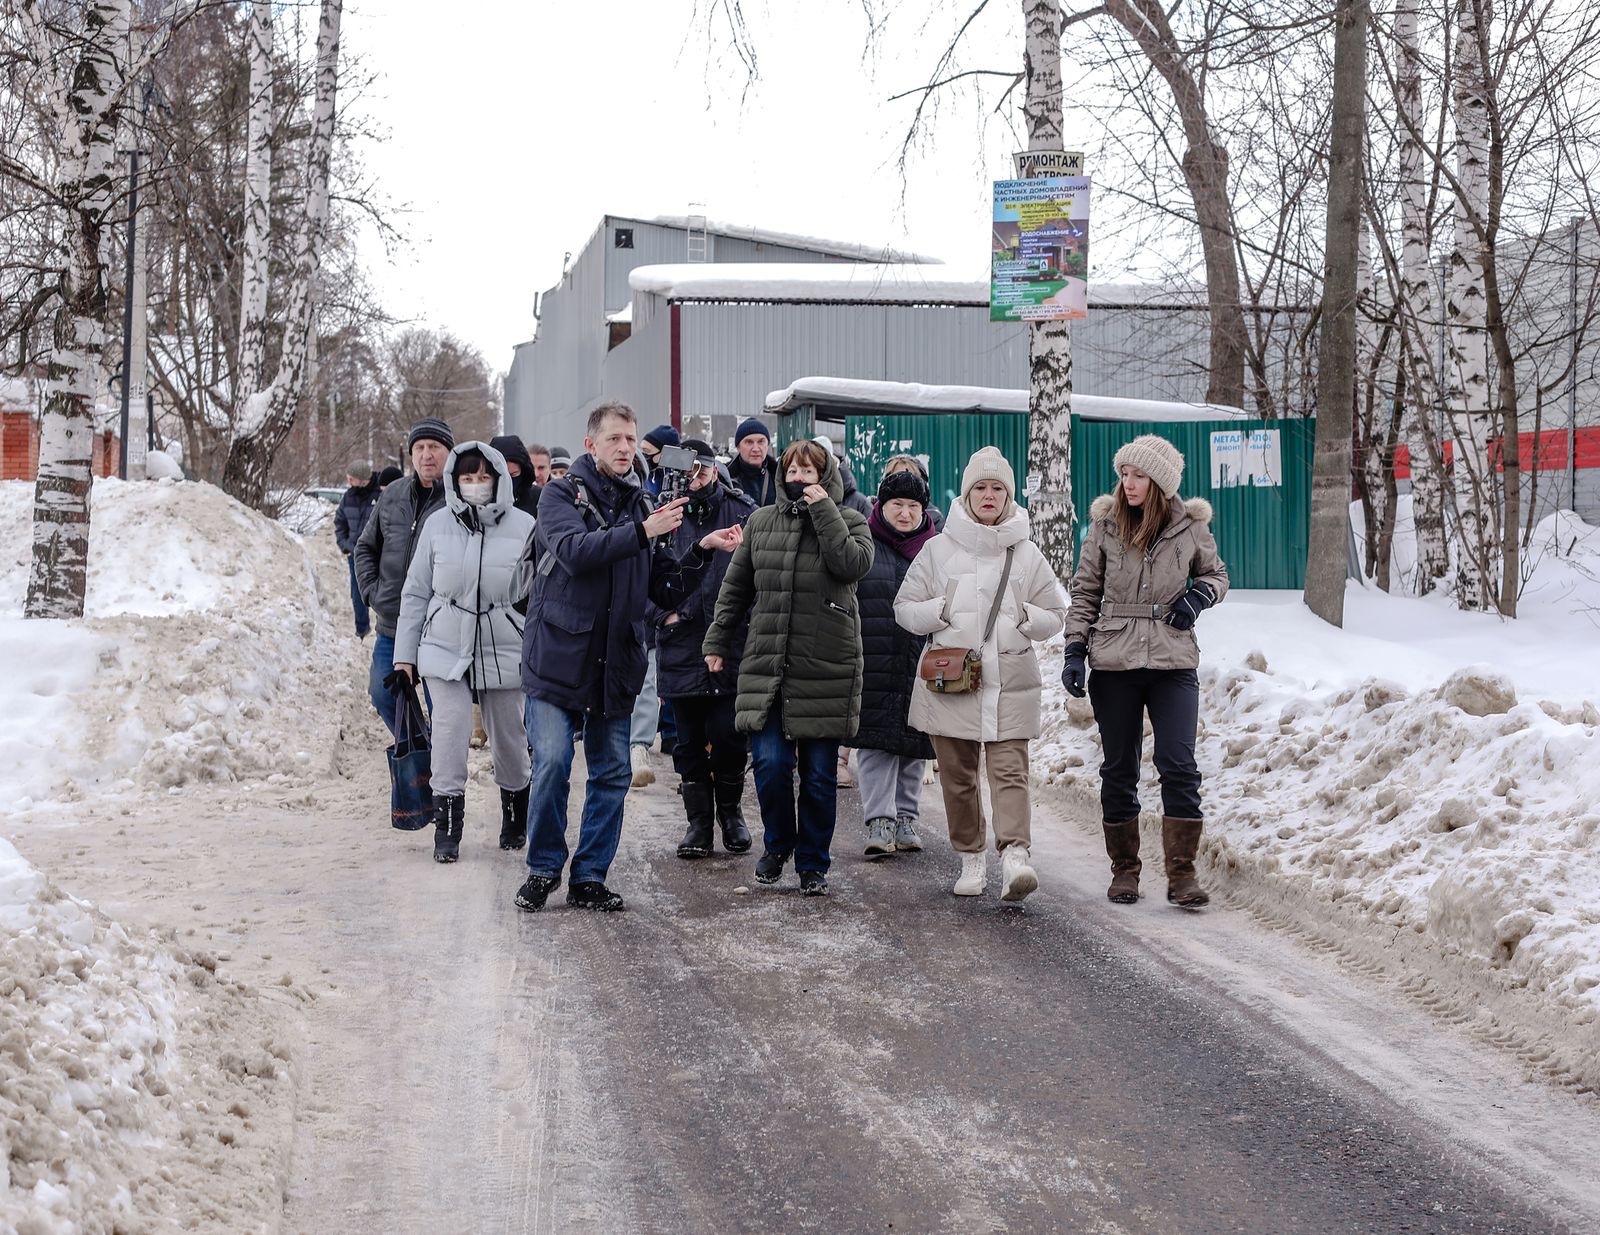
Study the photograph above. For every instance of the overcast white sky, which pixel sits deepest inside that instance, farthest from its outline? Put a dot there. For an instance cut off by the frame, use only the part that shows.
(514, 126)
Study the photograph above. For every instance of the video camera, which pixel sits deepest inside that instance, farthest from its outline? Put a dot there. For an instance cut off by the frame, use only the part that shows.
(677, 464)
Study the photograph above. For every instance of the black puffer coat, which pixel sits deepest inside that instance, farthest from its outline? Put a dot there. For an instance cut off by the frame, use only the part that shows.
(891, 653)
(795, 578)
(689, 588)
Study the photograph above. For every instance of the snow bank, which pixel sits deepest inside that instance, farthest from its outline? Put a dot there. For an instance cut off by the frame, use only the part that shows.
(1424, 774)
(138, 1089)
(208, 652)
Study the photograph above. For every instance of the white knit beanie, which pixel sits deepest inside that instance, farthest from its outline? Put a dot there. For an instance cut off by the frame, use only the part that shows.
(989, 464)
(1156, 457)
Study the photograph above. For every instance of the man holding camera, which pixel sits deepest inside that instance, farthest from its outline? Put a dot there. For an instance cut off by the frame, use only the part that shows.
(710, 754)
(583, 657)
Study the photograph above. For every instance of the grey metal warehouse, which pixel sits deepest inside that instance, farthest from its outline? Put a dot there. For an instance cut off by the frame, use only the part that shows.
(701, 343)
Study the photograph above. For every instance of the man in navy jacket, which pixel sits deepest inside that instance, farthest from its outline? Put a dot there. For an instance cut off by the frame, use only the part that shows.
(583, 657)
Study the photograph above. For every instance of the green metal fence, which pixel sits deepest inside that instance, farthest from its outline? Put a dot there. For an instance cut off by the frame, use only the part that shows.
(1255, 473)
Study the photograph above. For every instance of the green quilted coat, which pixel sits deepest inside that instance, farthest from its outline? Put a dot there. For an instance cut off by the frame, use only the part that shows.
(795, 574)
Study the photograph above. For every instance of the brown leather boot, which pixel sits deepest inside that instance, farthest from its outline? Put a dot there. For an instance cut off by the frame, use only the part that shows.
(1122, 845)
(1180, 838)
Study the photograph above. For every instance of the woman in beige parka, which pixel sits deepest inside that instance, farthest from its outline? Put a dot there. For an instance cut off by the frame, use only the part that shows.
(1148, 569)
(948, 594)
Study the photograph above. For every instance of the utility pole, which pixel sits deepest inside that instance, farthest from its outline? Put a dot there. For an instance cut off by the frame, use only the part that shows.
(1049, 479)
(134, 424)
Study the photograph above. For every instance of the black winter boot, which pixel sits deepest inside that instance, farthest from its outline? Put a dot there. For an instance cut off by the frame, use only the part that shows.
(696, 842)
(449, 814)
(514, 817)
(730, 814)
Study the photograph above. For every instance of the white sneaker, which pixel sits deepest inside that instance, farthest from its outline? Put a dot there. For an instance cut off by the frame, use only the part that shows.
(1017, 878)
(642, 775)
(974, 875)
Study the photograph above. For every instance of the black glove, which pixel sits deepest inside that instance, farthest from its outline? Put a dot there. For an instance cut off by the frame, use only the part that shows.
(1075, 673)
(396, 682)
(1190, 606)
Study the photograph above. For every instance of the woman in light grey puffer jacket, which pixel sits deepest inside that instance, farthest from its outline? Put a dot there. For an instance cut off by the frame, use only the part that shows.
(460, 628)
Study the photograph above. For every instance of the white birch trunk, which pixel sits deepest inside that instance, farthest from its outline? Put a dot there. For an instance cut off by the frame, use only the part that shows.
(1050, 348)
(257, 208)
(1418, 316)
(1471, 416)
(86, 91)
(1371, 409)
(265, 416)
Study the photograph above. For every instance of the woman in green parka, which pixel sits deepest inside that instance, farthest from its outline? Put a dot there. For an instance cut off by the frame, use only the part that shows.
(799, 694)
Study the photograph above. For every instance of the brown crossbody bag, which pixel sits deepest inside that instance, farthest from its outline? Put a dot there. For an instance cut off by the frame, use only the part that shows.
(957, 671)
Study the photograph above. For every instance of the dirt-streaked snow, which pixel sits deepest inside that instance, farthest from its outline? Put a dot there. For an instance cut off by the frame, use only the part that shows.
(1423, 777)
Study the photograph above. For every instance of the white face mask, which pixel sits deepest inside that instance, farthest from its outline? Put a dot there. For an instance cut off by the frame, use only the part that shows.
(477, 492)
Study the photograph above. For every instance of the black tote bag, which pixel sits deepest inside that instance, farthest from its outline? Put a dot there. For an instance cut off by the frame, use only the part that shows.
(410, 764)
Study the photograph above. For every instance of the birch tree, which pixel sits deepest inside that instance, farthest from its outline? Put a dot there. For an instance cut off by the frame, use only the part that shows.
(1418, 324)
(265, 411)
(1472, 421)
(84, 66)
(1050, 343)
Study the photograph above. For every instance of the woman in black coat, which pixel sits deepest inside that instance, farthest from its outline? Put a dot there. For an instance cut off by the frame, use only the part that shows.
(890, 755)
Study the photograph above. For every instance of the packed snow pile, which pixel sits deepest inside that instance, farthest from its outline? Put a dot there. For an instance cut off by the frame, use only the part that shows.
(209, 651)
(139, 1090)
(1434, 773)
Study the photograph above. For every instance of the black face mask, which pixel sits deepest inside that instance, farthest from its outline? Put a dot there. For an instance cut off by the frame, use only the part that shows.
(794, 490)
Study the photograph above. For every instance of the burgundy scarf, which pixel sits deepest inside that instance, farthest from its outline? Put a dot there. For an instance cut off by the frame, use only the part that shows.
(906, 544)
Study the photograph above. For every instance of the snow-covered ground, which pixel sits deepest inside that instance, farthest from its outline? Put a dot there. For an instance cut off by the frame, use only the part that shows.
(1421, 773)
(140, 1087)
(205, 653)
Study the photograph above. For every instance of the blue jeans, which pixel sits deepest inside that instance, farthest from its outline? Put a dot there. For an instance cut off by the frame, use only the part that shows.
(551, 731)
(363, 623)
(776, 758)
(382, 665)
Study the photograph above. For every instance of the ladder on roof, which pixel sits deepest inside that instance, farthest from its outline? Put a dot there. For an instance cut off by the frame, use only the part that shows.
(698, 244)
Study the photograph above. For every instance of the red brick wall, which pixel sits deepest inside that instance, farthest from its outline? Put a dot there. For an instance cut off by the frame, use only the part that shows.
(19, 448)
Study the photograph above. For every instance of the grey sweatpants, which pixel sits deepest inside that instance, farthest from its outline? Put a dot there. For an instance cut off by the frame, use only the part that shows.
(452, 731)
(891, 785)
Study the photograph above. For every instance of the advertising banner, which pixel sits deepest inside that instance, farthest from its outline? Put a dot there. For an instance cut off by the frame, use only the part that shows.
(1039, 263)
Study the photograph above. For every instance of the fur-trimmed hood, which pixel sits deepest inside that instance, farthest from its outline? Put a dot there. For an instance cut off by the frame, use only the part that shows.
(1196, 508)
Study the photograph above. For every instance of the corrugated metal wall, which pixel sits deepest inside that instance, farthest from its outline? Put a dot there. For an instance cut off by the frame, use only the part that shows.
(557, 378)
(655, 245)
(639, 373)
(1262, 531)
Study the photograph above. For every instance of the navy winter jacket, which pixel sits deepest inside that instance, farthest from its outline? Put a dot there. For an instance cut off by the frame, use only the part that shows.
(351, 517)
(688, 585)
(583, 647)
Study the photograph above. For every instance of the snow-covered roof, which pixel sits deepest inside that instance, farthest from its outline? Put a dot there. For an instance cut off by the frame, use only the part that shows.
(916, 397)
(901, 282)
(622, 316)
(794, 240)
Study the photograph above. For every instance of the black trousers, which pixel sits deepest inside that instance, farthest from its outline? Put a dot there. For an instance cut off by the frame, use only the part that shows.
(1121, 699)
(707, 720)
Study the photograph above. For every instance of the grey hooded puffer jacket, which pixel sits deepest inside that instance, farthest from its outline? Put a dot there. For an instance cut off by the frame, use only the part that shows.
(1110, 572)
(471, 566)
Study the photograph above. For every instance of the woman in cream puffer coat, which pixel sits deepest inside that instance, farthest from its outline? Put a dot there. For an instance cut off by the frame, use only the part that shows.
(948, 595)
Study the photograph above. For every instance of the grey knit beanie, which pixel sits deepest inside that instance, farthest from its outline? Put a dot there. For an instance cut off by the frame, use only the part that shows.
(1156, 457)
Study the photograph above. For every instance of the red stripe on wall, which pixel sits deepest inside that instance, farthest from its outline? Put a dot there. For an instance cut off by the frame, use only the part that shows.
(1544, 452)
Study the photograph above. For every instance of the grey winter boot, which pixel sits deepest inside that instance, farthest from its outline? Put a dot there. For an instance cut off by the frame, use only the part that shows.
(880, 837)
(906, 839)
(1180, 838)
(449, 815)
(1122, 847)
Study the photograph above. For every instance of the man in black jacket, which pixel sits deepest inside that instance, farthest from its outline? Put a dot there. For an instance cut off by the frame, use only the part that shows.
(383, 552)
(348, 522)
(710, 753)
(754, 469)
